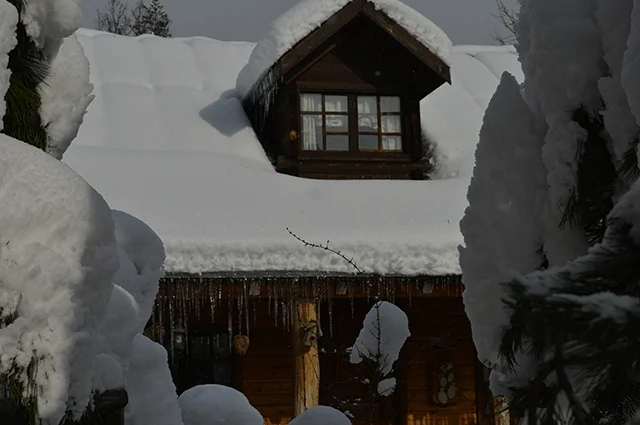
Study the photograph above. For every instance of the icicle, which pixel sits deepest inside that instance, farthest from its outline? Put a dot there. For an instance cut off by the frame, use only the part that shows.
(330, 317)
(246, 306)
(171, 334)
(275, 304)
(212, 302)
(353, 314)
(254, 306)
(239, 301)
(269, 297)
(230, 319)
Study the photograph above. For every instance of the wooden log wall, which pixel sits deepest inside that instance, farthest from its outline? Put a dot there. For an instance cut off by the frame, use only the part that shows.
(441, 335)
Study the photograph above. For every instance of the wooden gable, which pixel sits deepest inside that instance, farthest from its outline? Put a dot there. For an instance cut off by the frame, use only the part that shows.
(359, 51)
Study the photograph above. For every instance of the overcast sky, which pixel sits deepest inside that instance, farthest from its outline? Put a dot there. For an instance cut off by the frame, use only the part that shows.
(465, 21)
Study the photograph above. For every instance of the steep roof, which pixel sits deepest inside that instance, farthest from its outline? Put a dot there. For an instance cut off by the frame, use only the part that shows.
(167, 140)
(307, 16)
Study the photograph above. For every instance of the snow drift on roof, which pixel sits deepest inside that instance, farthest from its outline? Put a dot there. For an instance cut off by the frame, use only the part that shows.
(307, 15)
(167, 140)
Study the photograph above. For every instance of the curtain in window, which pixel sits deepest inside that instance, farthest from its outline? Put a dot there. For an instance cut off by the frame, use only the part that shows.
(312, 132)
(367, 114)
(392, 143)
(311, 103)
(311, 124)
(336, 103)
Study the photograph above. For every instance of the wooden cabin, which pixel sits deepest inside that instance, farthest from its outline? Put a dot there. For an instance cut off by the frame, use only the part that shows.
(257, 333)
(221, 169)
(343, 103)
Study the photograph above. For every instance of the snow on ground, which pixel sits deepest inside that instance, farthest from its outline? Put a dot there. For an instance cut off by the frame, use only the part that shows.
(307, 15)
(217, 405)
(57, 260)
(384, 331)
(166, 140)
(321, 415)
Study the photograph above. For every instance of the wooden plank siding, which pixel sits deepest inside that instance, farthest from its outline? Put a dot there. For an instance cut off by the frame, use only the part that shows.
(266, 373)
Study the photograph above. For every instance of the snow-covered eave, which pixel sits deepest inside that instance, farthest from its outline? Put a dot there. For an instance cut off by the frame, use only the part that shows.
(299, 274)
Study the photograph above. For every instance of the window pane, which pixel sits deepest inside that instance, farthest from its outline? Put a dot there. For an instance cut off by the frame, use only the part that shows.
(391, 143)
(367, 105)
(389, 104)
(337, 123)
(367, 142)
(391, 124)
(310, 102)
(368, 123)
(335, 103)
(312, 132)
(337, 142)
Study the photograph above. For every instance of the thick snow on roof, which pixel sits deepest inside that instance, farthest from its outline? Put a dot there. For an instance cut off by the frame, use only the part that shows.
(307, 15)
(166, 140)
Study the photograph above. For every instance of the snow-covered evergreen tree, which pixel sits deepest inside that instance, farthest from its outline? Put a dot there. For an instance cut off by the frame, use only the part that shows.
(509, 182)
(564, 347)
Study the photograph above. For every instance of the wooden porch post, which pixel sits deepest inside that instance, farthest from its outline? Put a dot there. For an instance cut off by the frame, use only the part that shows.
(306, 362)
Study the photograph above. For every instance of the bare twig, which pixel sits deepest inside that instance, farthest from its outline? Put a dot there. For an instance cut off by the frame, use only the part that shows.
(326, 247)
(509, 18)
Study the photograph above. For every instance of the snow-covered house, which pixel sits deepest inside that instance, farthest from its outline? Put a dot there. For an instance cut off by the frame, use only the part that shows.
(168, 140)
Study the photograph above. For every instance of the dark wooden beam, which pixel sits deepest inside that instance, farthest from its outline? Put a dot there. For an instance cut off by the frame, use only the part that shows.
(408, 41)
(306, 46)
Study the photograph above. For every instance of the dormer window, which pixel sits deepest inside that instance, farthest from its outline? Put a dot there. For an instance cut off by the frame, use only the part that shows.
(344, 101)
(350, 123)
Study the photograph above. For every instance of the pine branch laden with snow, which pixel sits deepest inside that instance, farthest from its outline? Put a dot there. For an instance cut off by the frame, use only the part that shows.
(631, 63)
(559, 47)
(66, 95)
(580, 322)
(62, 92)
(8, 25)
(502, 225)
(614, 20)
(51, 20)
(57, 260)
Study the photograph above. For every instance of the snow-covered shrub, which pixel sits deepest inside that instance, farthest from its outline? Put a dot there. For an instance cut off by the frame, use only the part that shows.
(57, 260)
(502, 226)
(218, 405)
(152, 394)
(143, 363)
(560, 344)
(321, 415)
(8, 22)
(50, 92)
(384, 331)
